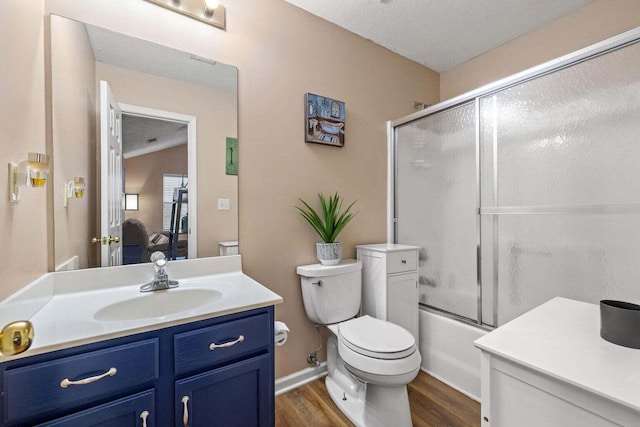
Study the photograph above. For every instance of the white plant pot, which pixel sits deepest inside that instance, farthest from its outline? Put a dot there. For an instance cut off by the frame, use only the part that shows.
(329, 253)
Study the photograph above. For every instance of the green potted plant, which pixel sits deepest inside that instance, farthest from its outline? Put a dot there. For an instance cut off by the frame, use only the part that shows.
(328, 224)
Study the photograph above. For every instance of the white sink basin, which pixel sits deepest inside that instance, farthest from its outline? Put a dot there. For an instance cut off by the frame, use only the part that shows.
(157, 304)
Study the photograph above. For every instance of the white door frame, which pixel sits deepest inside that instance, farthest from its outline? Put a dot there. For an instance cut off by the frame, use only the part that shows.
(192, 206)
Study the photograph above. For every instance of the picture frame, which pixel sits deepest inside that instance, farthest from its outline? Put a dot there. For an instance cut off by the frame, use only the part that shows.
(324, 120)
(231, 160)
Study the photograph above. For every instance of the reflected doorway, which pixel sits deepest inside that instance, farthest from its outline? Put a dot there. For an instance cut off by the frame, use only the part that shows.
(159, 169)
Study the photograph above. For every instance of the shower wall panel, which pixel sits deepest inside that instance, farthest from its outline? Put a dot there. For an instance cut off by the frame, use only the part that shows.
(544, 175)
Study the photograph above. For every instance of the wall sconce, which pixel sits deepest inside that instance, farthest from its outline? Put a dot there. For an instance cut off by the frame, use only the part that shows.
(31, 172)
(131, 202)
(207, 11)
(74, 190)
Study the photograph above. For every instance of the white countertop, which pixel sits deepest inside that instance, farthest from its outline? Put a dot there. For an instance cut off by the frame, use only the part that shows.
(561, 338)
(387, 247)
(62, 306)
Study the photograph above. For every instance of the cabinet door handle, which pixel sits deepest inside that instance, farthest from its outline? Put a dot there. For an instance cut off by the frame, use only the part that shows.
(213, 345)
(144, 415)
(66, 382)
(185, 411)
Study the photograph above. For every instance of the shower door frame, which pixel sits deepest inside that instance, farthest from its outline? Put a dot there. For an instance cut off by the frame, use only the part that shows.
(598, 49)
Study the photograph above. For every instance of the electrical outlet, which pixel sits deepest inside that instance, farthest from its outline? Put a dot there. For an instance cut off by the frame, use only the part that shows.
(224, 204)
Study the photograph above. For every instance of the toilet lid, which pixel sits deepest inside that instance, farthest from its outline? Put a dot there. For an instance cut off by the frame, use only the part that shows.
(376, 338)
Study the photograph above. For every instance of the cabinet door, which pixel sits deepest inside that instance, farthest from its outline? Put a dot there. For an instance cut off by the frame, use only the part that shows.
(126, 412)
(402, 302)
(240, 394)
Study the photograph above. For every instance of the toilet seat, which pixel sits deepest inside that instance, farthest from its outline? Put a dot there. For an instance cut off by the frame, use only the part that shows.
(377, 347)
(377, 338)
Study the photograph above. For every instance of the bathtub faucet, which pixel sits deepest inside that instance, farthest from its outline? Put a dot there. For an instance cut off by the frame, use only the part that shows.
(160, 277)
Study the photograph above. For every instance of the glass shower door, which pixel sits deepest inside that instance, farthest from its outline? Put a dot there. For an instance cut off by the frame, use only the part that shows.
(561, 186)
(437, 203)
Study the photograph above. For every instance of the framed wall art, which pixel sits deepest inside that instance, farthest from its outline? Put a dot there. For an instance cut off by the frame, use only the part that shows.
(231, 162)
(324, 120)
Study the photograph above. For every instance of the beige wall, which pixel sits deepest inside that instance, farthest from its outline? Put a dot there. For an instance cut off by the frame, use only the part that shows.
(74, 134)
(216, 117)
(594, 22)
(143, 176)
(22, 87)
(269, 43)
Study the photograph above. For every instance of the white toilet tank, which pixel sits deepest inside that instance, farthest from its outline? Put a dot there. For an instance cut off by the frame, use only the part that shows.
(331, 293)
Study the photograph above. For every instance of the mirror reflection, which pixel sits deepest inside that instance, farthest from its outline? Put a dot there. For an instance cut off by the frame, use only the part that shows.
(131, 117)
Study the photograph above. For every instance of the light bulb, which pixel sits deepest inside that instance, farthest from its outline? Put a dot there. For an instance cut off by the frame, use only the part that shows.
(210, 6)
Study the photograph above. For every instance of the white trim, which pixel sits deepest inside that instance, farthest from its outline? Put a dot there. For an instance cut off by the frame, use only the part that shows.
(391, 182)
(192, 170)
(300, 378)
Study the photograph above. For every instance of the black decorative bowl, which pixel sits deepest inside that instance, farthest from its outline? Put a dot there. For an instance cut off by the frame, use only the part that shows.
(620, 323)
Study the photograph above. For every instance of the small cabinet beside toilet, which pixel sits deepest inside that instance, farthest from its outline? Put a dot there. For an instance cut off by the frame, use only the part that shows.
(390, 283)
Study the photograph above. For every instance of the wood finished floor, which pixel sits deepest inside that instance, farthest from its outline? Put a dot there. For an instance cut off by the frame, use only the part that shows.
(433, 404)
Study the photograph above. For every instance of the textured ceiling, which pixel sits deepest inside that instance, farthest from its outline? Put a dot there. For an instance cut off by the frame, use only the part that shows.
(143, 135)
(440, 33)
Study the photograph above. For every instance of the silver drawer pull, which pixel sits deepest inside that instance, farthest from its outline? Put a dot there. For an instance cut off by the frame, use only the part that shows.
(66, 382)
(144, 416)
(185, 411)
(213, 345)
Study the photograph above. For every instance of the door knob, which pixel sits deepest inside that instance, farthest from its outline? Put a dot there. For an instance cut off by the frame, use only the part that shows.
(105, 240)
(16, 337)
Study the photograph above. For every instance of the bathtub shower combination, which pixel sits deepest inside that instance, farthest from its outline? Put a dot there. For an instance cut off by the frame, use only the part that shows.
(525, 189)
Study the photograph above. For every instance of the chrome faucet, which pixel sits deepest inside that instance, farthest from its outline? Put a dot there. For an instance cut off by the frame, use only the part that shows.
(160, 277)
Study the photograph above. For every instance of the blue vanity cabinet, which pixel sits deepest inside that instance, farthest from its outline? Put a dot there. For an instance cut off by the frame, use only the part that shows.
(133, 411)
(242, 393)
(224, 377)
(237, 385)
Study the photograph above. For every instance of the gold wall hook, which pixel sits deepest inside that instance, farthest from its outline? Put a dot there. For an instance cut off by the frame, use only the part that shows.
(16, 337)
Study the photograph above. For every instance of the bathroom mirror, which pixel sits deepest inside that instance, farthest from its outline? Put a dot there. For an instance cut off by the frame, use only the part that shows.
(179, 141)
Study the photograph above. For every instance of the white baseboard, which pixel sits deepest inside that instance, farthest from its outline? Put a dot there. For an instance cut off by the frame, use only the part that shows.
(300, 378)
(453, 386)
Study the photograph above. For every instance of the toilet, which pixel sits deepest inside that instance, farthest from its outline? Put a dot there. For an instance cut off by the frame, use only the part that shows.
(369, 361)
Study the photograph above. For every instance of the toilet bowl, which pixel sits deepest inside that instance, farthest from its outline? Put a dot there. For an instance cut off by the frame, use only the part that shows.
(369, 361)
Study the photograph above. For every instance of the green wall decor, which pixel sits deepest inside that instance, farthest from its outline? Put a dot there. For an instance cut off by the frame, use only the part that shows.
(232, 156)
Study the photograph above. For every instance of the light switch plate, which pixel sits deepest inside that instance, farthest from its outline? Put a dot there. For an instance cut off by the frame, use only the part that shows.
(224, 204)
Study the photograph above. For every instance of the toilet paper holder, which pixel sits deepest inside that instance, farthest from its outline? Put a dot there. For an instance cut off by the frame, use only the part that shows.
(281, 333)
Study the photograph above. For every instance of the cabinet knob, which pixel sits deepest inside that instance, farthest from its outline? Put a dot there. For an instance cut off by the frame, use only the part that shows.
(404, 261)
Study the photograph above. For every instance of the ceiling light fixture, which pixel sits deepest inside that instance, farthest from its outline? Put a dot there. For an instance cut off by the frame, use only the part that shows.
(207, 11)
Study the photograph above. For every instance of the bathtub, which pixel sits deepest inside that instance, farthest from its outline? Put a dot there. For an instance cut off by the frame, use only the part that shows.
(448, 354)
